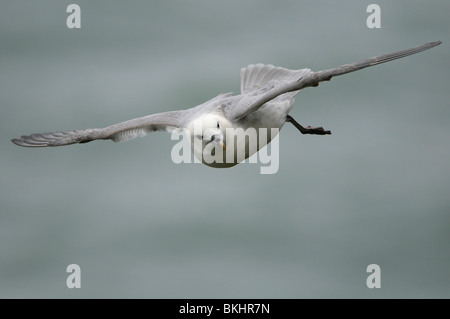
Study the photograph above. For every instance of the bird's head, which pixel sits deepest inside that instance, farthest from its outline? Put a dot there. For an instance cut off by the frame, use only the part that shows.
(208, 135)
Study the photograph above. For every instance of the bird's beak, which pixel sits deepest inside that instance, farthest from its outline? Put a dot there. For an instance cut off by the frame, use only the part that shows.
(223, 145)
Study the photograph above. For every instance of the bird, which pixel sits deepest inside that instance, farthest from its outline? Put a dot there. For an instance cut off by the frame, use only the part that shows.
(263, 105)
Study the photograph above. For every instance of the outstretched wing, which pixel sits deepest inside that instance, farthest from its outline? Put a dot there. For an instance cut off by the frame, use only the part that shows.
(118, 132)
(251, 104)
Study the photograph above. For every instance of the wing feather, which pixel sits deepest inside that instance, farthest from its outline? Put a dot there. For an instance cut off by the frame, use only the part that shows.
(118, 132)
(314, 78)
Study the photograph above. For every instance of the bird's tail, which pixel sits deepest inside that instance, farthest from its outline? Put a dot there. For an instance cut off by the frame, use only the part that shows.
(256, 76)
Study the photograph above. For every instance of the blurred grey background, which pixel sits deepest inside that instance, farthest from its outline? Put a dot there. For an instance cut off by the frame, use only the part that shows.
(140, 226)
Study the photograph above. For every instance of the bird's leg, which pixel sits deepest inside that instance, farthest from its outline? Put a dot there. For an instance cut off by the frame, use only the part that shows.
(308, 129)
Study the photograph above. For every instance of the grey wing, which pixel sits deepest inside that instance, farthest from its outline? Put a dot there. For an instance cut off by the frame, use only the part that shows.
(251, 104)
(123, 131)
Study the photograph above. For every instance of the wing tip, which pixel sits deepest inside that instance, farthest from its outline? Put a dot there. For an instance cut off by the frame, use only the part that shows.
(17, 141)
(430, 45)
(39, 139)
(26, 141)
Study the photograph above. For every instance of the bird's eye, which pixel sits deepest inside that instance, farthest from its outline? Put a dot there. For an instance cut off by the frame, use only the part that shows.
(218, 125)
